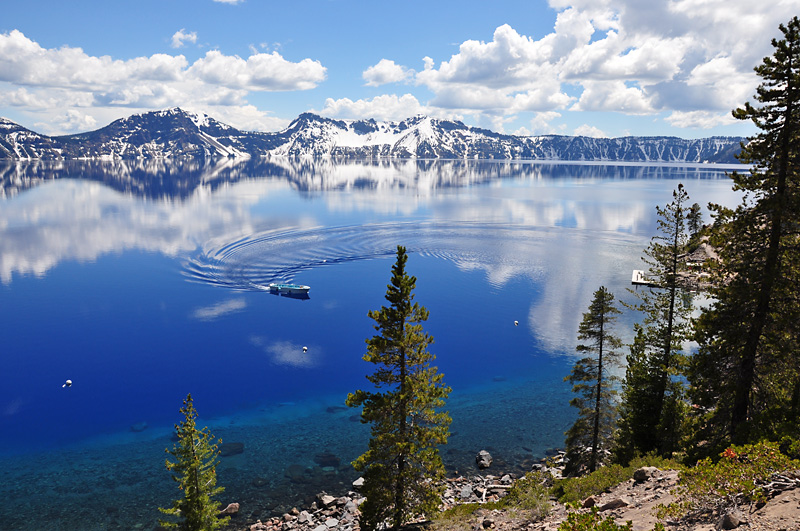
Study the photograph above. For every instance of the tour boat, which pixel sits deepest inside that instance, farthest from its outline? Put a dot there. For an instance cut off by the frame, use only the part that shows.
(289, 288)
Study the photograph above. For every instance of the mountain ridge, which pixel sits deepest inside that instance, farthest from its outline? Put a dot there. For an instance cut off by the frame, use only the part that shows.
(176, 134)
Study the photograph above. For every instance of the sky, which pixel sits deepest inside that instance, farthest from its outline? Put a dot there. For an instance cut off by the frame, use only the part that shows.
(605, 68)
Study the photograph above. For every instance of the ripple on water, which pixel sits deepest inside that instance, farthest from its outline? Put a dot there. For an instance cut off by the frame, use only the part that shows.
(252, 262)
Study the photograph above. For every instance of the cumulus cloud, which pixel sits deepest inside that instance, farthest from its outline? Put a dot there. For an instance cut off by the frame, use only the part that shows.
(49, 80)
(626, 56)
(388, 107)
(181, 37)
(384, 72)
(699, 119)
(261, 71)
(590, 130)
(613, 95)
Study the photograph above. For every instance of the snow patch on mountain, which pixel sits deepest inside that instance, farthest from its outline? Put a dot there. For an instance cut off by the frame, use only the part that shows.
(176, 133)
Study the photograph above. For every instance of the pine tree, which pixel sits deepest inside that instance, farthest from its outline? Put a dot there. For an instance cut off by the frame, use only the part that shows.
(656, 367)
(744, 378)
(402, 466)
(593, 382)
(694, 219)
(194, 469)
(637, 423)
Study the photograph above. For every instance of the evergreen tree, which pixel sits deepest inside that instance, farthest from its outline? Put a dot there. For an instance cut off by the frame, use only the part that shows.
(694, 219)
(194, 469)
(637, 424)
(744, 378)
(402, 466)
(657, 363)
(592, 381)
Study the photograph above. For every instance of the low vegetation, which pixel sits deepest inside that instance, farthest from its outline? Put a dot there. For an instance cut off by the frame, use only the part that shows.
(737, 477)
(574, 490)
(592, 521)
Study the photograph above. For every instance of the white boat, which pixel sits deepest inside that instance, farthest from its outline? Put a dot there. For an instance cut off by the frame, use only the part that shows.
(640, 278)
(289, 288)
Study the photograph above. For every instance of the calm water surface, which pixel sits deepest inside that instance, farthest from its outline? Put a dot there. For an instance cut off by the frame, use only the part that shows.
(144, 282)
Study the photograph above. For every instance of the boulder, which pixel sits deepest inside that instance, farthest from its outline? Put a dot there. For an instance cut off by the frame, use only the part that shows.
(483, 459)
(616, 503)
(296, 473)
(232, 508)
(327, 459)
(357, 484)
(645, 473)
(731, 520)
(325, 500)
(233, 448)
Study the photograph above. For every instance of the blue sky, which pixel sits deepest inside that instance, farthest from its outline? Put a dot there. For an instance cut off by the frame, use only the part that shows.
(592, 67)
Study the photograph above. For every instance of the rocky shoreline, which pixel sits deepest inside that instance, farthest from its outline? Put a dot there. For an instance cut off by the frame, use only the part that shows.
(331, 513)
(633, 500)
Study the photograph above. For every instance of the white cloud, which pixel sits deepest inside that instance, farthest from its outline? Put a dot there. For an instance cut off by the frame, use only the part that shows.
(589, 130)
(180, 38)
(699, 119)
(540, 123)
(263, 71)
(231, 2)
(74, 120)
(623, 56)
(613, 96)
(384, 72)
(47, 81)
(387, 107)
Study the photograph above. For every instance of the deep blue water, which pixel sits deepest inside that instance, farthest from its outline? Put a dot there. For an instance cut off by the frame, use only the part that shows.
(144, 283)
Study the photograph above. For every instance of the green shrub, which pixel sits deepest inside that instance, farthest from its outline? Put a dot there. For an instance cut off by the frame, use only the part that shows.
(592, 522)
(734, 479)
(530, 493)
(458, 517)
(790, 447)
(574, 490)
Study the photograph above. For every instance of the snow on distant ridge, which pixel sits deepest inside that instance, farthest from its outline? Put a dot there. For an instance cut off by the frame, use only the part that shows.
(176, 133)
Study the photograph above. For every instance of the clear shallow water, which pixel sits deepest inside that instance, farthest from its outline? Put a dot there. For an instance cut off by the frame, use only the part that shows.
(142, 283)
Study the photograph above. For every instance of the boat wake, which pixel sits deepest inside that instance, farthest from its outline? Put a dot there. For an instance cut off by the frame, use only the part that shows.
(253, 262)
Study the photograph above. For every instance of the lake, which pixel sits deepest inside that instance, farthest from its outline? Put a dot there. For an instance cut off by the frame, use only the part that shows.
(144, 281)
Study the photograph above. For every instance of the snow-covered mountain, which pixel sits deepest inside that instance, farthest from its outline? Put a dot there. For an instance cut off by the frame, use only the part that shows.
(178, 134)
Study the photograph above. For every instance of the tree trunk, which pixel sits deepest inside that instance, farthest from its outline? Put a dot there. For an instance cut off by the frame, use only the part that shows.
(596, 430)
(742, 401)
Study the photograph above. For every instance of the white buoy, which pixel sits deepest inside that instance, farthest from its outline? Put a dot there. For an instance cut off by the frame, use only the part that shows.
(305, 349)
(68, 383)
(516, 323)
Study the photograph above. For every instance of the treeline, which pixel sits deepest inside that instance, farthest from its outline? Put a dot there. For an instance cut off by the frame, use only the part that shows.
(742, 382)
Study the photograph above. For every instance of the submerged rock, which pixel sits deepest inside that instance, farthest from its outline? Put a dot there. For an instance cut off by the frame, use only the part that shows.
(228, 449)
(483, 459)
(325, 459)
(232, 508)
(139, 426)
